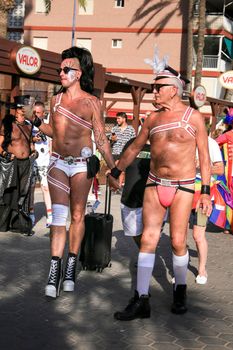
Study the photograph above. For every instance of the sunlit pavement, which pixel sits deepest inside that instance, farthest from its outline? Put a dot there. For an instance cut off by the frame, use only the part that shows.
(83, 320)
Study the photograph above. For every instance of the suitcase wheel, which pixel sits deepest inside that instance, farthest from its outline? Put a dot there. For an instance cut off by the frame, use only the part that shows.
(109, 265)
(99, 269)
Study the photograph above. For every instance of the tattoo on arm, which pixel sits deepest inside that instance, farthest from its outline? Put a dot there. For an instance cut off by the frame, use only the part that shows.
(99, 136)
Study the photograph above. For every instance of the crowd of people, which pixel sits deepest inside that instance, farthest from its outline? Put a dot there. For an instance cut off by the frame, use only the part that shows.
(171, 166)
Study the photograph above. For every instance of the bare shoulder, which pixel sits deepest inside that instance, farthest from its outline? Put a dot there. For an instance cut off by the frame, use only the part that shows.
(151, 119)
(196, 118)
(90, 100)
(52, 101)
(91, 104)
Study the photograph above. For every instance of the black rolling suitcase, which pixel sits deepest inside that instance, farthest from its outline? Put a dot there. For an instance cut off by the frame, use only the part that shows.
(95, 253)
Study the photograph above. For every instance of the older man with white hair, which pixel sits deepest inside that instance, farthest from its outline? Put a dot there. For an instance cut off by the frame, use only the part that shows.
(174, 131)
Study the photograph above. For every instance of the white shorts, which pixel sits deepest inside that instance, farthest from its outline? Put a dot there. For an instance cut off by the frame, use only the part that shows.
(131, 220)
(69, 169)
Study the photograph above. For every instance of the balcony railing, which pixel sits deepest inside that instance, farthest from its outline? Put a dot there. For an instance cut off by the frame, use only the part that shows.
(209, 62)
(214, 63)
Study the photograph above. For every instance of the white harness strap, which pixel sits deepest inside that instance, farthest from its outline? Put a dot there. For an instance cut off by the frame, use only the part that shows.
(57, 101)
(75, 118)
(175, 125)
(56, 182)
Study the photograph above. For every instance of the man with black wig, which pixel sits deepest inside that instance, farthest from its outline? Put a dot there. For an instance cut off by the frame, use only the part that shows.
(75, 114)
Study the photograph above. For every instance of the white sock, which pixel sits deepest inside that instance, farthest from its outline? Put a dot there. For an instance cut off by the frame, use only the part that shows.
(180, 268)
(145, 267)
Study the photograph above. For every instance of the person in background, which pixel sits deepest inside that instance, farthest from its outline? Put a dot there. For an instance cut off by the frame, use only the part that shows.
(120, 134)
(136, 175)
(225, 141)
(217, 168)
(40, 167)
(17, 151)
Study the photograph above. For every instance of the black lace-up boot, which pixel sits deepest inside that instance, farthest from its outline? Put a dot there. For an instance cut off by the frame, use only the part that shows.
(69, 276)
(179, 299)
(138, 307)
(55, 276)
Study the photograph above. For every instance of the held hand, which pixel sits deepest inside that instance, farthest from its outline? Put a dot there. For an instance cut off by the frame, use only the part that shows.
(113, 183)
(205, 204)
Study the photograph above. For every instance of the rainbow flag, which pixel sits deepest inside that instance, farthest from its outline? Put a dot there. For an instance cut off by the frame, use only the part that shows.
(221, 215)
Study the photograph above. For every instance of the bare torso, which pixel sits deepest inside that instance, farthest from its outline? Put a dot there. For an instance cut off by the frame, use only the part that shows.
(70, 137)
(172, 151)
(20, 146)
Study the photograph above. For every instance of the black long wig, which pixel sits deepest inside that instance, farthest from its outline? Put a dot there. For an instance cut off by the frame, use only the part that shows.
(86, 64)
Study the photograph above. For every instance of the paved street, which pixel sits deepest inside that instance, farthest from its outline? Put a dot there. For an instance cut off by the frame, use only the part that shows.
(84, 320)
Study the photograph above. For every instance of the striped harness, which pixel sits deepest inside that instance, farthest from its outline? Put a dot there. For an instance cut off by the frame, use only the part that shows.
(75, 118)
(184, 124)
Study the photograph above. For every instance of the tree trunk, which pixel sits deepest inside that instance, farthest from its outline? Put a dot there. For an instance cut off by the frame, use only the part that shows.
(189, 67)
(201, 41)
(3, 24)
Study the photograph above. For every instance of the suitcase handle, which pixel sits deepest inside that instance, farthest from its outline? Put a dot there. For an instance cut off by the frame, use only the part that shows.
(107, 199)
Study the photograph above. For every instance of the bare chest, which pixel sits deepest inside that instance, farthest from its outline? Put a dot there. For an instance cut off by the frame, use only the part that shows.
(21, 133)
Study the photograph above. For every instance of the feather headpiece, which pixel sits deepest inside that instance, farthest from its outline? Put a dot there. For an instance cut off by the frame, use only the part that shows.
(163, 70)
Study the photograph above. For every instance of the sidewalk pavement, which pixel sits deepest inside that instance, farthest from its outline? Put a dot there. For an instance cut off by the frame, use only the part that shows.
(83, 320)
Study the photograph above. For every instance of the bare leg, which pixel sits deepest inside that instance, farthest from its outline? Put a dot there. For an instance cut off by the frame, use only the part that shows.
(78, 201)
(179, 217)
(153, 214)
(202, 248)
(46, 195)
(58, 196)
(57, 234)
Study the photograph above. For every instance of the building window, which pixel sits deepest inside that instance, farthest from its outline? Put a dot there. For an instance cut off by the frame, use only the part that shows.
(40, 6)
(83, 42)
(89, 8)
(119, 3)
(116, 43)
(40, 43)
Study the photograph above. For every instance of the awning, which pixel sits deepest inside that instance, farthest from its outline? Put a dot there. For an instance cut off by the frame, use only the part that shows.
(229, 46)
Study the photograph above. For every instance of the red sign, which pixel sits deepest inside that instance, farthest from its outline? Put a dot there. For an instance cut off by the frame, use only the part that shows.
(27, 60)
(226, 80)
(199, 96)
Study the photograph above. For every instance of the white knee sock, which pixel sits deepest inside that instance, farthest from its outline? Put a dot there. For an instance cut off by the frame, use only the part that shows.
(180, 267)
(145, 267)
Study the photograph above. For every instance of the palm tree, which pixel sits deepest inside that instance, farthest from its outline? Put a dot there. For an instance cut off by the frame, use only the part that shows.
(189, 66)
(48, 3)
(200, 41)
(7, 5)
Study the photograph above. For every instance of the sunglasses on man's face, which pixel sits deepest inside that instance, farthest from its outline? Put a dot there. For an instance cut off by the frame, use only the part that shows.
(157, 87)
(66, 70)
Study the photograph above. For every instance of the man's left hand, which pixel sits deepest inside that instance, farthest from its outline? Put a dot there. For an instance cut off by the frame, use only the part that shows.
(113, 183)
(205, 204)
